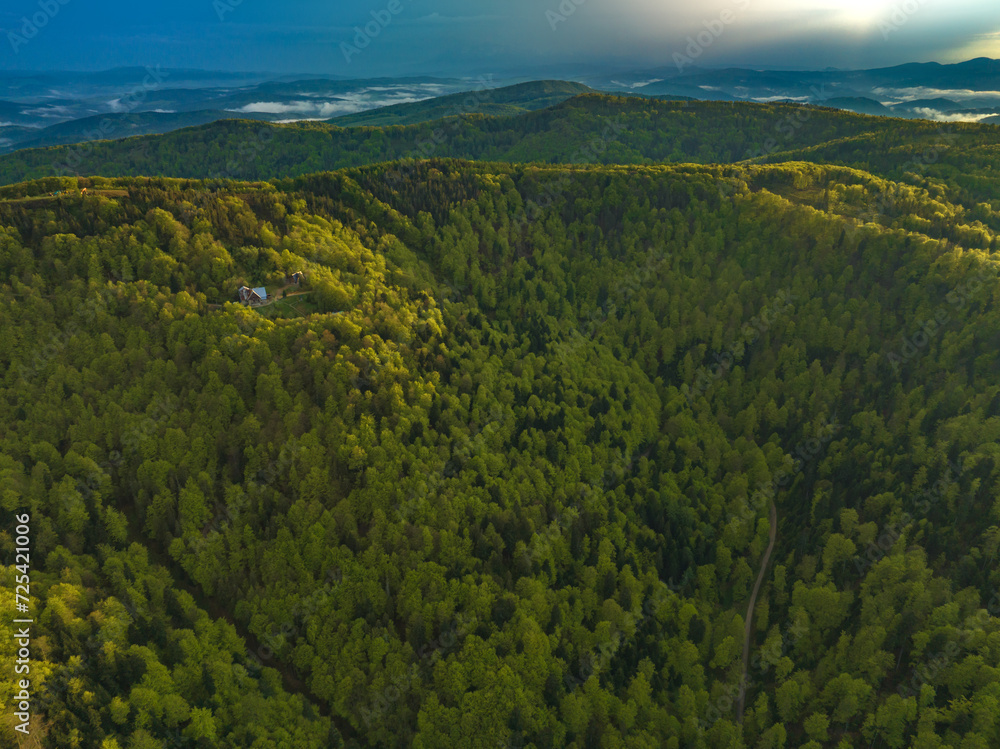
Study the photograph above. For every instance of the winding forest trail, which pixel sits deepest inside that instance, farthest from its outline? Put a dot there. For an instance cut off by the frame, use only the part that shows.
(748, 628)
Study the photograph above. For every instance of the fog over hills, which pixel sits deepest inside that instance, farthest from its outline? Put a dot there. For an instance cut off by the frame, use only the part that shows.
(35, 109)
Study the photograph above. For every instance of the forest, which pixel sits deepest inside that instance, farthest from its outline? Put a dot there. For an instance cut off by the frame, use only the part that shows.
(589, 128)
(618, 423)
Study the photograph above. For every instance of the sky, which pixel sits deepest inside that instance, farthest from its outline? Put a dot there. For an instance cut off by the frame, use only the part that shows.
(363, 38)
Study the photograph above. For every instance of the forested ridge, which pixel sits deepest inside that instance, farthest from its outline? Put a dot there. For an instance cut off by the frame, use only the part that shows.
(501, 476)
(590, 128)
(506, 101)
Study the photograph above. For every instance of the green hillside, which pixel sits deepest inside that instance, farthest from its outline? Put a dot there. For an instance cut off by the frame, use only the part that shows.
(505, 479)
(962, 160)
(497, 102)
(114, 126)
(589, 128)
(956, 160)
(859, 104)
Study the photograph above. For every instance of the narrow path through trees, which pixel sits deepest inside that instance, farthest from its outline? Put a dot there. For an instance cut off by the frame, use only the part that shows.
(748, 629)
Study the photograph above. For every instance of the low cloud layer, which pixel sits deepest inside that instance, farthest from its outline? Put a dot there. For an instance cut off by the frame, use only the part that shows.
(923, 92)
(933, 114)
(350, 103)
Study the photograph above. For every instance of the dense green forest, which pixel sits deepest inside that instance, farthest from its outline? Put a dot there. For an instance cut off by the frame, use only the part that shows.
(956, 160)
(505, 101)
(119, 125)
(591, 128)
(501, 472)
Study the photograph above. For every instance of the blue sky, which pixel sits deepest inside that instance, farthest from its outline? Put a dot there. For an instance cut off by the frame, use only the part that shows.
(488, 36)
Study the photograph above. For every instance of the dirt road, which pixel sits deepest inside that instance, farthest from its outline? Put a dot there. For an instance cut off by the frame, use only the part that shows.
(748, 629)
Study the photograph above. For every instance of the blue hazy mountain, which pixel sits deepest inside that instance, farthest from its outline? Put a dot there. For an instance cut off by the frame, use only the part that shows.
(53, 108)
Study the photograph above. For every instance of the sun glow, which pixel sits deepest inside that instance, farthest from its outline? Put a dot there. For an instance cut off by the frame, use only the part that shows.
(984, 45)
(860, 14)
(867, 13)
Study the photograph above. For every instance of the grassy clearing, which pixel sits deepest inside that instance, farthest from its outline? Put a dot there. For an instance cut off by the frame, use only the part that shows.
(300, 305)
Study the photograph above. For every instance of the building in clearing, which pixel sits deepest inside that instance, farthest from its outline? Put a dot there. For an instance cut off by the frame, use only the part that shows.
(296, 278)
(252, 297)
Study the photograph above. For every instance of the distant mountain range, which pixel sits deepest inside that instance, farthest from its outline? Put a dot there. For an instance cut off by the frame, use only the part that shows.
(51, 109)
(927, 90)
(602, 128)
(981, 74)
(506, 101)
(116, 126)
(46, 109)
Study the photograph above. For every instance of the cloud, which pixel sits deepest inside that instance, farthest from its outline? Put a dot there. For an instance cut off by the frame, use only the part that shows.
(766, 99)
(439, 18)
(350, 103)
(54, 111)
(639, 84)
(274, 107)
(923, 92)
(933, 114)
(981, 45)
(431, 89)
